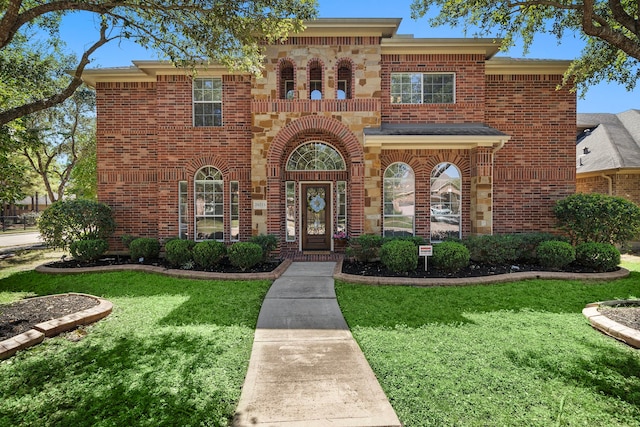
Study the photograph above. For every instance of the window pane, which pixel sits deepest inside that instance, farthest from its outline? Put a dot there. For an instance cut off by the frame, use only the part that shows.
(207, 105)
(234, 188)
(315, 156)
(399, 200)
(291, 214)
(446, 202)
(209, 204)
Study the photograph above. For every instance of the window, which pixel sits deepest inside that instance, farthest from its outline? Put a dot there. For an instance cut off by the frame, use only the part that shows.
(341, 196)
(207, 102)
(291, 211)
(209, 204)
(315, 80)
(399, 200)
(446, 202)
(315, 156)
(419, 88)
(344, 80)
(235, 210)
(287, 85)
(183, 222)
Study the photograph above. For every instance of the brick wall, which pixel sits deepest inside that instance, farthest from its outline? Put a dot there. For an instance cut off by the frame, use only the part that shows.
(623, 184)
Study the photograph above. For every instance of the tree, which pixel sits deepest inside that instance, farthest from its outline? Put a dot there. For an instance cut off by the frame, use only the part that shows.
(186, 31)
(610, 28)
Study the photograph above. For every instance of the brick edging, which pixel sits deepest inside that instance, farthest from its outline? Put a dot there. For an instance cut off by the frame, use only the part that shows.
(610, 327)
(186, 274)
(481, 280)
(53, 327)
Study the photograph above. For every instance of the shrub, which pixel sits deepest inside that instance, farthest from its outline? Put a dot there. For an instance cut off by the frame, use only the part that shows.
(208, 254)
(528, 243)
(598, 218)
(400, 256)
(67, 221)
(144, 247)
(244, 255)
(599, 256)
(365, 248)
(178, 252)
(450, 256)
(555, 254)
(416, 240)
(88, 250)
(126, 240)
(268, 243)
(497, 249)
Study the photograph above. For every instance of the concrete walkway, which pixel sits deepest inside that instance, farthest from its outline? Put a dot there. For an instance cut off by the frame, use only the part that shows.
(306, 369)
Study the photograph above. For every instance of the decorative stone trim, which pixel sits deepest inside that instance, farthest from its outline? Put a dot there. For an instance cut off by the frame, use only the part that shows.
(609, 327)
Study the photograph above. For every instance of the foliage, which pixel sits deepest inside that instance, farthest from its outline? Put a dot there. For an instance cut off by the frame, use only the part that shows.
(599, 256)
(416, 240)
(555, 254)
(66, 221)
(268, 243)
(244, 255)
(497, 249)
(11, 179)
(179, 251)
(126, 240)
(230, 32)
(528, 243)
(400, 256)
(209, 253)
(365, 247)
(610, 28)
(145, 248)
(450, 256)
(598, 218)
(88, 250)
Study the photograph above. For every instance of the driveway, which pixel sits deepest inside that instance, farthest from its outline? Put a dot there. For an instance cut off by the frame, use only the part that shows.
(19, 239)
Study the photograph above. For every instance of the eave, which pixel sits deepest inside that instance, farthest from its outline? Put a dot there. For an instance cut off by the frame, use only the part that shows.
(434, 142)
(510, 66)
(410, 45)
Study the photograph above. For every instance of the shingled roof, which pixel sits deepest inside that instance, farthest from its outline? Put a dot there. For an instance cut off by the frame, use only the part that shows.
(608, 141)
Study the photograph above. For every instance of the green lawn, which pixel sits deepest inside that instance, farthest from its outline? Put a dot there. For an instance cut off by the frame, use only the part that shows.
(173, 352)
(512, 354)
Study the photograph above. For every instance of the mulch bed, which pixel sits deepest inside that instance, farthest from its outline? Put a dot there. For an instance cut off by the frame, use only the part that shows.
(628, 316)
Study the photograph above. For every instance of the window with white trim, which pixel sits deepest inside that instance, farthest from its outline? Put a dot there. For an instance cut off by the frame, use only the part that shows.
(183, 221)
(316, 156)
(423, 88)
(445, 202)
(207, 102)
(209, 204)
(290, 202)
(399, 194)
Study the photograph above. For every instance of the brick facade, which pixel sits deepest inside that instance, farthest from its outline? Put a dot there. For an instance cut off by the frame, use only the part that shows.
(147, 143)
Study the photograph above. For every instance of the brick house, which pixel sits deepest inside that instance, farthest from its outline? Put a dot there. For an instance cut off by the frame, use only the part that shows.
(351, 128)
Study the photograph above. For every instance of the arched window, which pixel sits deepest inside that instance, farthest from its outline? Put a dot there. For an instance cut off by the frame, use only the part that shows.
(446, 202)
(399, 200)
(209, 204)
(287, 81)
(315, 156)
(344, 75)
(315, 79)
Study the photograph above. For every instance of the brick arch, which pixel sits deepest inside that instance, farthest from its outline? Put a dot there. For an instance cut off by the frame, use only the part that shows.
(460, 161)
(213, 160)
(298, 128)
(281, 63)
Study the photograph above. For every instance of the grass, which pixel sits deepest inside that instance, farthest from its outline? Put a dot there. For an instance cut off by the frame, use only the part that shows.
(173, 352)
(510, 354)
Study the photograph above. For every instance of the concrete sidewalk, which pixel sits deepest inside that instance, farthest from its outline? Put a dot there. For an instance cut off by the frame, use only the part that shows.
(306, 369)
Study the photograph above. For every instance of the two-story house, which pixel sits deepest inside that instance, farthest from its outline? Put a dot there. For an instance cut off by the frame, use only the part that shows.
(351, 128)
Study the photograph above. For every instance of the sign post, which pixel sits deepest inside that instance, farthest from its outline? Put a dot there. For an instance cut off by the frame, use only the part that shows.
(426, 251)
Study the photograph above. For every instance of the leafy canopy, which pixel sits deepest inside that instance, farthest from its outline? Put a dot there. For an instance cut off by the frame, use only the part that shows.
(188, 32)
(610, 28)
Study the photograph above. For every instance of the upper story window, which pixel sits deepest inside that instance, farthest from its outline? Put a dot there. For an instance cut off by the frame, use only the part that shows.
(207, 102)
(345, 79)
(423, 88)
(315, 79)
(286, 80)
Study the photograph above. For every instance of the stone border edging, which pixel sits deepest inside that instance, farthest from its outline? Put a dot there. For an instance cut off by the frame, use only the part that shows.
(53, 327)
(610, 327)
(185, 274)
(480, 280)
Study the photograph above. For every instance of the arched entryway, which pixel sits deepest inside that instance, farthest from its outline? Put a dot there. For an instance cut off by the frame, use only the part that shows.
(315, 184)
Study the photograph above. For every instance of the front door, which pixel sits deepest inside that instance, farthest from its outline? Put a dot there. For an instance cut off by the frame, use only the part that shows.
(316, 217)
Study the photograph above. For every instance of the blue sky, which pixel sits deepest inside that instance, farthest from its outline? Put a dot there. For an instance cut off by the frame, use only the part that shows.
(603, 98)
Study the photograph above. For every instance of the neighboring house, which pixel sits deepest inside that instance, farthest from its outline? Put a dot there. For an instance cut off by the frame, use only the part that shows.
(608, 154)
(351, 127)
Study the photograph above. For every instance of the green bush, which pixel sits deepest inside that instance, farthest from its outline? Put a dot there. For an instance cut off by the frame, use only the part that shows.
(599, 256)
(416, 240)
(365, 248)
(268, 243)
(400, 256)
(555, 254)
(178, 252)
(450, 256)
(497, 249)
(67, 221)
(209, 253)
(528, 243)
(88, 250)
(244, 255)
(145, 248)
(598, 218)
(126, 240)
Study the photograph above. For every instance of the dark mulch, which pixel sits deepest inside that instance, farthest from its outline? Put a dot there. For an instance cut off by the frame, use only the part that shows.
(473, 270)
(21, 316)
(628, 316)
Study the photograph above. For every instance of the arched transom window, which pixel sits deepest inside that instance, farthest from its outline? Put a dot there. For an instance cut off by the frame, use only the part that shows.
(399, 200)
(315, 156)
(209, 204)
(446, 202)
